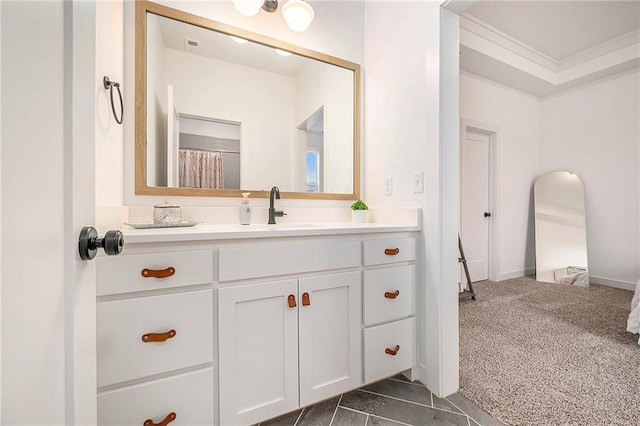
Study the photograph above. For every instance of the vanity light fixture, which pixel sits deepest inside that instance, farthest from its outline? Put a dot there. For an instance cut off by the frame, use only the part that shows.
(297, 13)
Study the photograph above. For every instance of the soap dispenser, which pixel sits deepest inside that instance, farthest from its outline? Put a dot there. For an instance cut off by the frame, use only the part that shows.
(245, 209)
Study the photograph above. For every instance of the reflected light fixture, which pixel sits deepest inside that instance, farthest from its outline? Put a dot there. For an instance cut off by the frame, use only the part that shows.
(297, 13)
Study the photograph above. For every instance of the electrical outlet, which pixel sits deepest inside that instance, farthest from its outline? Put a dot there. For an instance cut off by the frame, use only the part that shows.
(388, 186)
(418, 182)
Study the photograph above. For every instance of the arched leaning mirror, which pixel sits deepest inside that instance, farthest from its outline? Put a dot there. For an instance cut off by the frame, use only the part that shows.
(220, 111)
(560, 229)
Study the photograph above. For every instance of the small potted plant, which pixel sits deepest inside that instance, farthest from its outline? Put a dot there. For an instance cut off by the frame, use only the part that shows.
(359, 211)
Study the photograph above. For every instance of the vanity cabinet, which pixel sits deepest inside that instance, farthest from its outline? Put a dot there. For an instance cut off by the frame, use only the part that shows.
(388, 307)
(236, 328)
(155, 338)
(289, 343)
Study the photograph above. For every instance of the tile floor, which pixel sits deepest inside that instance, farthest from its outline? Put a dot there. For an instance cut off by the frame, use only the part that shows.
(389, 402)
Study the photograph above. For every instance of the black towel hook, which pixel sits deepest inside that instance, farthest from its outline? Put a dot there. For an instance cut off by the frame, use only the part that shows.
(109, 85)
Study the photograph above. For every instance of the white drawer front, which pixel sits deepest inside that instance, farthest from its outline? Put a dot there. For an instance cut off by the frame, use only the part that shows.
(377, 252)
(377, 362)
(124, 274)
(389, 293)
(189, 396)
(123, 355)
(269, 259)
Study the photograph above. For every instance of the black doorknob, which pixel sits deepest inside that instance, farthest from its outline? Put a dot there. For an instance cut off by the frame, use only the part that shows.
(89, 243)
(487, 214)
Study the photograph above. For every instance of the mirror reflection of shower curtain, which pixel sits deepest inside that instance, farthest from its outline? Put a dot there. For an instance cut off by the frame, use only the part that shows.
(201, 169)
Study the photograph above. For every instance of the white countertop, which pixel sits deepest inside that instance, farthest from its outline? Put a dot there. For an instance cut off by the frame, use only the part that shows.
(203, 231)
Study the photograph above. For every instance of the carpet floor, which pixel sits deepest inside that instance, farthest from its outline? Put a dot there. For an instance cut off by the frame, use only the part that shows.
(535, 353)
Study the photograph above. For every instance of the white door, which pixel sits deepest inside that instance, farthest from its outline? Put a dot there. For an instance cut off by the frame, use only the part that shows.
(258, 351)
(329, 335)
(474, 204)
(49, 92)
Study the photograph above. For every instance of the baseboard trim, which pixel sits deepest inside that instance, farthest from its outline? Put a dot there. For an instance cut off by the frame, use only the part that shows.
(516, 274)
(626, 285)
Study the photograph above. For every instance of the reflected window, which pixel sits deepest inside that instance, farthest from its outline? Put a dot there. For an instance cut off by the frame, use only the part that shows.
(313, 171)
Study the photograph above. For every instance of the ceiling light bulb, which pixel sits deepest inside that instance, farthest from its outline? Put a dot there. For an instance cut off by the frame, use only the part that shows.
(248, 7)
(283, 52)
(298, 15)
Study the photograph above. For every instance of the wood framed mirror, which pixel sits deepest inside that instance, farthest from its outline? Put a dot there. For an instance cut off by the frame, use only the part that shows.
(220, 111)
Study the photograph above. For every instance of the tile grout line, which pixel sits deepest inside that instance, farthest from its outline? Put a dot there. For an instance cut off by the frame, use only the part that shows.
(375, 415)
(366, 421)
(336, 410)
(465, 413)
(299, 416)
(415, 403)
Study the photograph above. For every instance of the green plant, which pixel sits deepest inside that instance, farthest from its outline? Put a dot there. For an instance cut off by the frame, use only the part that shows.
(359, 205)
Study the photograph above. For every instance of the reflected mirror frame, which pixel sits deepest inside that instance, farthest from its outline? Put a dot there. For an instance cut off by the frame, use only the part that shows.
(140, 152)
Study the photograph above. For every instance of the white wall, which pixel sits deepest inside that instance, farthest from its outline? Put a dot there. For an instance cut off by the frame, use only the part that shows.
(157, 106)
(517, 118)
(594, 131)
(263, 102)
(318, 85)
(402, 135)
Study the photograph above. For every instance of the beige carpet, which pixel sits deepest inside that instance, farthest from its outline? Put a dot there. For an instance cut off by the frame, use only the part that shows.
(549, 354)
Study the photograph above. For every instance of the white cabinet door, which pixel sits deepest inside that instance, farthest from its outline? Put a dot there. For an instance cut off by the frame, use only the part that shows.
(258, 351)
(329, 332)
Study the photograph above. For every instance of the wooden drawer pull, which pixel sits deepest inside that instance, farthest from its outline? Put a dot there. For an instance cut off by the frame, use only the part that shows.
(392, 351)
(158, 337)
(305, 299)
(170, 417)
(158, 273)
(391, 252)
(292, 301)
(393, 295)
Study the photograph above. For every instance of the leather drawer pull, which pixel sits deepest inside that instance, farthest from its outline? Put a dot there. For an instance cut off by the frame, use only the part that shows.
(292, 301)
(305, 299)
(170, 417)
(393, 295)
(392, 351)
(158, 273)
(391, 252)
(158, 337)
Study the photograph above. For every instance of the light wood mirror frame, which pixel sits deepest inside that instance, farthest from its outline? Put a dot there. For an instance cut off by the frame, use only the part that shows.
(141, 187)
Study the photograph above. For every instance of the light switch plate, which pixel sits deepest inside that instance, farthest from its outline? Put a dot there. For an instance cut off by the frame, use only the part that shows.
(388, 186)
(418, 182)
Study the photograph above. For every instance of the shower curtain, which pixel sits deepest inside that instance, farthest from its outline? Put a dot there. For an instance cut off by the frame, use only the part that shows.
(200, 169)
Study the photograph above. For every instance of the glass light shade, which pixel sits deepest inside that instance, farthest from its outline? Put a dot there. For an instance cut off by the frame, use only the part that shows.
(248, 7)
(298, 15)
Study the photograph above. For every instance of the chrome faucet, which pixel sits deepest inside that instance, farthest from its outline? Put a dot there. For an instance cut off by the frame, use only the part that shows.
(273, 213)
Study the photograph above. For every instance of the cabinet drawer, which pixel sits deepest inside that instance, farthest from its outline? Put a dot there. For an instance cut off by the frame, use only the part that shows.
(388, 294)
(189, 396)
(378, 340)
(377, 252)
(122, 353)
(124, 274)
(269, 259)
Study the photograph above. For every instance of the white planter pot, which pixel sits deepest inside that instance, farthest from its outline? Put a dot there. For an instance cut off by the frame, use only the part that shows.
(358, 216)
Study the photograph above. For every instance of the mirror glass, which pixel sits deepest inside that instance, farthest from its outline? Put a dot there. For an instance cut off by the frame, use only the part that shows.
(220, 111)
(560, 229)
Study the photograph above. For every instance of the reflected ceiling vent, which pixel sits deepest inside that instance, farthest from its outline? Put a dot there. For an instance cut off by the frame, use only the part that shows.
(191, 44)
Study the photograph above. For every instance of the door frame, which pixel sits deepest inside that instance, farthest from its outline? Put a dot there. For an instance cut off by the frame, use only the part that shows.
(467, 125)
